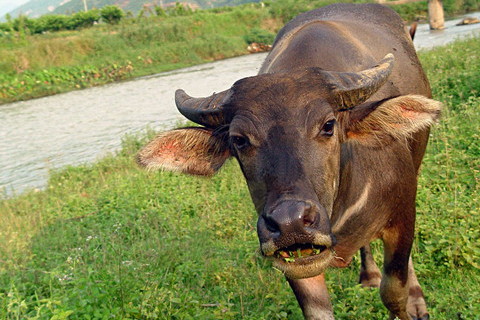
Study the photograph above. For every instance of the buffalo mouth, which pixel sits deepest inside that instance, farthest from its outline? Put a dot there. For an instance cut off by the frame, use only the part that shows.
(299, 261)
(297, 252)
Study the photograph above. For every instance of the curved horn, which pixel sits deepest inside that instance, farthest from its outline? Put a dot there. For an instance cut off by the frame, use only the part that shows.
(207, 111)
(353, 88)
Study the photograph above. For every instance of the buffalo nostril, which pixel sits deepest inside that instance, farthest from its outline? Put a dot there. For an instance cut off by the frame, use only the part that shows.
(309, 216)
(271, 225)
(308, 220)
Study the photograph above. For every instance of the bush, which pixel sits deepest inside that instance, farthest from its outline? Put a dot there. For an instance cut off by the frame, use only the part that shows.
(112, 14)
(160, 12)
(51, 23)
(24, 24)
(4, 26)
(180, 10)
(84, 19)
(458, 6)
(412, 11)
(259, 35)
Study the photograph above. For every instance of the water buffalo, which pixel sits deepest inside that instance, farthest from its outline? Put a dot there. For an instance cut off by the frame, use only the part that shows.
(329, 136)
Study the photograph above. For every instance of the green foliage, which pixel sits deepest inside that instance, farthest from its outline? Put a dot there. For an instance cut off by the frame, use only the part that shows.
(51, 23)
(286, 10)
(23, 24)
(259, 35)
(84, 19)
(412, 11)
(109, 240)
(58, 79)
(179, 10)
(112, 14)
(5, 27)
(54, 22)
(453, 6)
(159, 11)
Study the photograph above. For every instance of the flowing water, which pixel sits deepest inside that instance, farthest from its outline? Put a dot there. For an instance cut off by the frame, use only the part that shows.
(39, 135)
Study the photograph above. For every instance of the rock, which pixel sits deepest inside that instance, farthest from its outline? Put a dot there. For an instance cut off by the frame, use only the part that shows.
(255, 47)
(468, 20)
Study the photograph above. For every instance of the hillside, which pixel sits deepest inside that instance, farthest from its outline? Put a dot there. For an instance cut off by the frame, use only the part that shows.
(36, 8)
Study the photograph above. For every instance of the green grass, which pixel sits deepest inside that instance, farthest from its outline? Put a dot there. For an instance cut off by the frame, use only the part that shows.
(109, 240)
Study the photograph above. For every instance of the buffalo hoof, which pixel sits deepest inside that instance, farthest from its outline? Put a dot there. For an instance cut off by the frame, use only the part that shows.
(416, 306)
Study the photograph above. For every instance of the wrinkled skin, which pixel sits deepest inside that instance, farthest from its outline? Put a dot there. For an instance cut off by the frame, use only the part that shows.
(330, 137)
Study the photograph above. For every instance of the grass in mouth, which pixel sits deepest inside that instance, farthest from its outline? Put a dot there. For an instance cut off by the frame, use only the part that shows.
(299, 251)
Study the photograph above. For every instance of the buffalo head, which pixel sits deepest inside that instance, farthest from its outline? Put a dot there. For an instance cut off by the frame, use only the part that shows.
(287, 133)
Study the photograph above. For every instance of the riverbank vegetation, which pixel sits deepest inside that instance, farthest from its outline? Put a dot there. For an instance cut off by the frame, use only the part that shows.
(57, 53)
(109, 240)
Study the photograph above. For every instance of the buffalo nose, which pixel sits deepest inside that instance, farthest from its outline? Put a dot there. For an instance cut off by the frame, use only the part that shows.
(292, 217)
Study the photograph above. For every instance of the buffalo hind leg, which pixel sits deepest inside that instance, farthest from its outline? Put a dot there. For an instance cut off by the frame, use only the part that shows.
(416, 305)
(370, 275)
(312, 295)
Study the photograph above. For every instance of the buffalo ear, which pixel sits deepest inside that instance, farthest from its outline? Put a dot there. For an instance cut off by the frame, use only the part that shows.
(393, 119)
(196, 151)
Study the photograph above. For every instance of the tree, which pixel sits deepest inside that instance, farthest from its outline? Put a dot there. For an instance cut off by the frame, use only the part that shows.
(51, 22)
(84, 19)
(112, 14)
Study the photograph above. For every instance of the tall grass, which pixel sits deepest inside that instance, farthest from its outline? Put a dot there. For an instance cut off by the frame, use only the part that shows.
(109, 240)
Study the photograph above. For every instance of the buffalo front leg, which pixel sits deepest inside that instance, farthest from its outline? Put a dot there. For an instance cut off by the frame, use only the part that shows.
(416, 305)
(394, 286)
(370, 275)
(312, 295)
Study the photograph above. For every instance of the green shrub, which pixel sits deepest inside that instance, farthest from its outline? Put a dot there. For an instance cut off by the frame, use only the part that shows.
(24, 24)
(112, 14)
(180, 10)
(259, 35)
(84, 19)
(160, 12)
(412, 11)
(4, 26)
(52, 23)
(459, 6)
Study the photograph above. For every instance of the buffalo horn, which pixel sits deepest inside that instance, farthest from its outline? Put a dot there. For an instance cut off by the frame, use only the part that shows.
(353, 88)
(205, 111)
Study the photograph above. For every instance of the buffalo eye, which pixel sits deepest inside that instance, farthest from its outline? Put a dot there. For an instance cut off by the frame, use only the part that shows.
(327, 129)
(239, 142)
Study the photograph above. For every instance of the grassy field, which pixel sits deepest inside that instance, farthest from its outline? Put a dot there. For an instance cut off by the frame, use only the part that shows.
(44, 64)
(108, 240)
